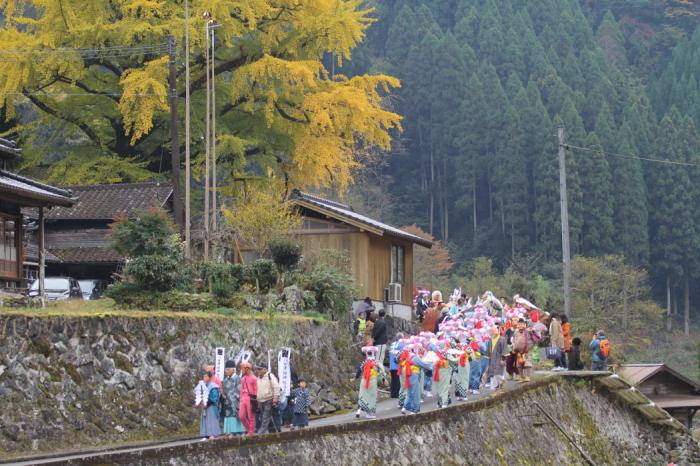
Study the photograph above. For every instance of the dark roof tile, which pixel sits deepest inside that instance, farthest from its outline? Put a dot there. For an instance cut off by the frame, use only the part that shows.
(108, 201)
(85, 255)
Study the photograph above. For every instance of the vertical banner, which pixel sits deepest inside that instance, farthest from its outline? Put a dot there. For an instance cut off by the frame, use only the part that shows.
(219, 362)
(284, 374)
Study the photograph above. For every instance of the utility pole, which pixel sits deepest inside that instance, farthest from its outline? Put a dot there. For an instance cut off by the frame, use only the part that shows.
(565, 248)
(174, 134)
(214, 212)
(206, 141)
(188, 181)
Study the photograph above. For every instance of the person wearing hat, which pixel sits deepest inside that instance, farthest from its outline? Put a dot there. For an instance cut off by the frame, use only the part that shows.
(369, 374)
(249, 391)
(268, 398)
(232, 399)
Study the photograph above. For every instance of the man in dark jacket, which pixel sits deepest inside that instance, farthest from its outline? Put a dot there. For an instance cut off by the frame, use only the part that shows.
(379, 335)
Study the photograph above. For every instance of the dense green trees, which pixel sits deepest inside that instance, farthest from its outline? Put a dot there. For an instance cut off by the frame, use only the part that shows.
(484, 86)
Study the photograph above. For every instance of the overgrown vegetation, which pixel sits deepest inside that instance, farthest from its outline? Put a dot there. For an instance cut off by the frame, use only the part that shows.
(156, 275)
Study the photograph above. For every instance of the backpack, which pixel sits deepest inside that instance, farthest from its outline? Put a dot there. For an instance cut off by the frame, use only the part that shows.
(604, 350)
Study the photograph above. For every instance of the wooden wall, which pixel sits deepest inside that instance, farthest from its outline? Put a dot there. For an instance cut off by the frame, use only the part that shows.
(370, 259)
(356, 244)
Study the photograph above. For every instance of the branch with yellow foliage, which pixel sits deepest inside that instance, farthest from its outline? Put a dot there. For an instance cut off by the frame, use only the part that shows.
(276, 98)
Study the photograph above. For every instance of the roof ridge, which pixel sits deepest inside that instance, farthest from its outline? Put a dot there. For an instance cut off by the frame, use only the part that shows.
(37, 184)
(94, 187)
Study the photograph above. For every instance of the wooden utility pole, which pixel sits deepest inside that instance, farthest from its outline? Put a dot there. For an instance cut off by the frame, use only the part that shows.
(188, 181)
(214, 212)
(42, 258)
(207, 147)
(174, 133)
(565, 248)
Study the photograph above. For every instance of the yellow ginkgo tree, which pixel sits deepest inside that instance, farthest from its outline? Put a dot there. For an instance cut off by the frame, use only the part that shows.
(83, 83)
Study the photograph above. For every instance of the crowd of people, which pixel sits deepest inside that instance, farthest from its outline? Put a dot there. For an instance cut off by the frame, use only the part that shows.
(465, 346)
(251, 400)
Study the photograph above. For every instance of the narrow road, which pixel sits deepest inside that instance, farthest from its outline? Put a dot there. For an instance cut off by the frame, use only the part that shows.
(385, 409)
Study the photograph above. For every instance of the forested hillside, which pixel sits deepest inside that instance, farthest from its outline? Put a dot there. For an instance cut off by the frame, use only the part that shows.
(484, 86)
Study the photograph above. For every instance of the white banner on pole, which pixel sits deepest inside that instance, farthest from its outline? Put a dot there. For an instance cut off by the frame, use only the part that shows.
(219, 362)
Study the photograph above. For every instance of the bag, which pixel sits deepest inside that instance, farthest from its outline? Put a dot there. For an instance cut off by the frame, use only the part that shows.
(254, 402)
(553, 352)
(604, 349)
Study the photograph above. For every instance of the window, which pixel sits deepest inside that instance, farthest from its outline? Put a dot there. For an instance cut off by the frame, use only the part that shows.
(397, 263)
(9, 247)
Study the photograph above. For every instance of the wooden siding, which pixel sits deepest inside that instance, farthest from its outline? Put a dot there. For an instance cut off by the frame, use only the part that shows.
(370, 260)
(663, 384)
(356, 246)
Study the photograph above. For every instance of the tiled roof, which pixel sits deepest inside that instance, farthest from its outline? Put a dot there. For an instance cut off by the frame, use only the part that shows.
(85, 256)
(8, 149)
(31, 192)
(108, 201)
(31, 254)
(344, 212)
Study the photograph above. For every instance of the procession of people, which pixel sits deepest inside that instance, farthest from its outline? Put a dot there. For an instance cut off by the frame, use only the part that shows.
(464, 347)
(467, 346)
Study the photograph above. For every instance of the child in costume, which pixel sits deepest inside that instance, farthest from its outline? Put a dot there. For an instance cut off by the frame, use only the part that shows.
(415, 366)
(442, 373)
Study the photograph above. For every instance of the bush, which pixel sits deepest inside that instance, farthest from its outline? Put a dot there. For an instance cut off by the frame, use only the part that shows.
(262, 274)
(286, 254)
(152, 232)
(224, 279)
(130, 296)
(333, 289)
(157, 273)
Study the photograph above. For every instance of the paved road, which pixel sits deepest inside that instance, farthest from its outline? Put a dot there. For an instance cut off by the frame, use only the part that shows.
(385, 408)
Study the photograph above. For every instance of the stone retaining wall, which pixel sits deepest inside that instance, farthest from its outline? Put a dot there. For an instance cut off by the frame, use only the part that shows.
(503, 429)
(68, 382)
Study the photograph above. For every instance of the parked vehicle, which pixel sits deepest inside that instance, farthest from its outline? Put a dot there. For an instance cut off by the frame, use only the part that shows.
(91, 288)
(57, 289)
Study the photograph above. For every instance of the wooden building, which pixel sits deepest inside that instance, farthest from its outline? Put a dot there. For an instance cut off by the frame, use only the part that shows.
(668, 388)
(381, 256)
(16, 193)
(78, 240)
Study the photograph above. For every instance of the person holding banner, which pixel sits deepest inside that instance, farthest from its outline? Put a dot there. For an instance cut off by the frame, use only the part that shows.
(209, 421)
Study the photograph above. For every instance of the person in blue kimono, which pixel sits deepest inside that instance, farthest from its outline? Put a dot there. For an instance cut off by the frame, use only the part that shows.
(414, 369)
(209, 421)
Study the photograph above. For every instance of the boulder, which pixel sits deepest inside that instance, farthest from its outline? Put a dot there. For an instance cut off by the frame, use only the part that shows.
(293, 299)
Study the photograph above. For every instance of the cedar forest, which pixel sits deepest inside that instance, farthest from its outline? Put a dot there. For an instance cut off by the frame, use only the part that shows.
(436, 113)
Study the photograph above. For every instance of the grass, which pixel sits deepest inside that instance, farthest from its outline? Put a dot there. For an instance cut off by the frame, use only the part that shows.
(106, 308)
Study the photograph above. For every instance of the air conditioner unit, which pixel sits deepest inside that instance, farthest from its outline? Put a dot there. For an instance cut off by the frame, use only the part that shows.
(394, 292)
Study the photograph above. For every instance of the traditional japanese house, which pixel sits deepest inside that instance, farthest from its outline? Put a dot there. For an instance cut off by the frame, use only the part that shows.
(668, 388)
(381, 256)
(78, 237)
(18, 192)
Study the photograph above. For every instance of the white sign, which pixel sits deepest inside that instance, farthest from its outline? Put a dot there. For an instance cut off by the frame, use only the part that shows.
(219, 362)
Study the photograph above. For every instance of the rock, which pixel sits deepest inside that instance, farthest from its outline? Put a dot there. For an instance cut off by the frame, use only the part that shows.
(293, 299)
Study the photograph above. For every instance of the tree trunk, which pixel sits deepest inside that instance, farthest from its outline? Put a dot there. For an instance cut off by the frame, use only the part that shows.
(445, 216)
(432, 190)
(686, 308)
(474, 204)
(488, 183)
(624, 305)
(669, 324)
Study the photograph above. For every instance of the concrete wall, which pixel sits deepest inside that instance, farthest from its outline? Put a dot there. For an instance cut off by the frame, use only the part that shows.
(505, 429)
(72, 382)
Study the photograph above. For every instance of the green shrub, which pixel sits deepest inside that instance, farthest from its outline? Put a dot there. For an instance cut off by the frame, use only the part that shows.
(157, 273)
(261, 274)
(286, 254)
(152, 232)
(224, 279)
(130, 296)
(333, 290)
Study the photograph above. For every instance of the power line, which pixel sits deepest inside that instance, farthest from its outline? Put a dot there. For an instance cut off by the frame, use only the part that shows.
(646, 159)
(71, 94)
(83, 51)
